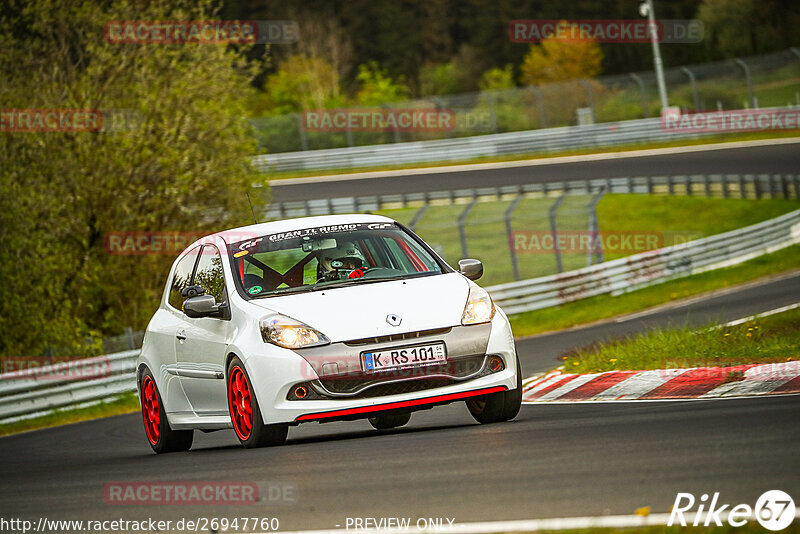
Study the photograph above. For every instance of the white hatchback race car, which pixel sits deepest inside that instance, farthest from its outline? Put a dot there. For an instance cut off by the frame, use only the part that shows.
(323, 319)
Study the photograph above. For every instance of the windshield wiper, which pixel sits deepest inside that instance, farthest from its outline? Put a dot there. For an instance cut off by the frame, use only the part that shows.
(357, 281)
(286, 291)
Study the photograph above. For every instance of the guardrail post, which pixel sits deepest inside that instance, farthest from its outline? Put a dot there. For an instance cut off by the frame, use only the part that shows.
(693, 84)
(642, 93)
(462, 234)
(670, 186)
(689, 185)
(742, 187)
(757, 185)
(724, 182)
(551, 214)
(749, 82)
(303, 139)
(796, 181)
(707, 185)
(784, 186)
(510, 234)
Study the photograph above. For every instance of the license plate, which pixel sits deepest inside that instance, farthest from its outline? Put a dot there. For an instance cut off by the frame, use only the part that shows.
(397, 357)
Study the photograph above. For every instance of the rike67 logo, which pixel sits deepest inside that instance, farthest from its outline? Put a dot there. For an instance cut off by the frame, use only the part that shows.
(774, 510)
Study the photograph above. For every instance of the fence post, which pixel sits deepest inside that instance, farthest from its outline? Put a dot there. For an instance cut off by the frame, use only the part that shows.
(594, 230)
(693, 84)
(510, 235)
(417, 216)
(539, 106)
(642, 92)
(554, 231)
(303, 139)
(492, 112)
(462, 219)
(589, 96)
(749, 82)
(129, 337)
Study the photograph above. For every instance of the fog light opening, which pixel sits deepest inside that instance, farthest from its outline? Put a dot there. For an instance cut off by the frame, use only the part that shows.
(495, 364)
(301, 392)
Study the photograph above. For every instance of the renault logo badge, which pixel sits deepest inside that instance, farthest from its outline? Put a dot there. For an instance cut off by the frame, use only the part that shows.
(393, 319)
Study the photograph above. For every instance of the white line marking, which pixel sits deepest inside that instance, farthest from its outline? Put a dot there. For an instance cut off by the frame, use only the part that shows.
(639, 384)
(760, 315)
(529, 162)
(530, 525)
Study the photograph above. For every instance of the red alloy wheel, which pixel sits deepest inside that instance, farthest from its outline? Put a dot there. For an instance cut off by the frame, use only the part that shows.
(150, 410)
(240, 404)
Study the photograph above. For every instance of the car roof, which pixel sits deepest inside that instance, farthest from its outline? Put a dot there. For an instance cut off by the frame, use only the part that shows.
(287, 225)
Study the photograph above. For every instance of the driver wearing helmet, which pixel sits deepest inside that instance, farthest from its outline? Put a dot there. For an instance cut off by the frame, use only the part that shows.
(344, 261)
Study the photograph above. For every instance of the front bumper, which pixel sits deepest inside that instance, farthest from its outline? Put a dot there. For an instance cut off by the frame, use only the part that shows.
(273, 376)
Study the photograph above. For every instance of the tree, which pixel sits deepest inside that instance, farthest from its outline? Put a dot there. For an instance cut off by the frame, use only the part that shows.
(179, 165)
(377, 87)
(301, 83)
(497, 78)
(558, 60)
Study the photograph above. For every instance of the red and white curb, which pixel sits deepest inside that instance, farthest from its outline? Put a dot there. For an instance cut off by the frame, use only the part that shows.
(699, 382)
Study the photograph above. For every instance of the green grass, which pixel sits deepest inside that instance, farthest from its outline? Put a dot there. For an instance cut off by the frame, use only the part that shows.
(606, 306)
(721, 138)
(771, 339)
(127, 403)
(671, 219)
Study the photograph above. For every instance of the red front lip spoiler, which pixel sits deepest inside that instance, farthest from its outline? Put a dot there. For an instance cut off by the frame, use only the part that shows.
(401, 404)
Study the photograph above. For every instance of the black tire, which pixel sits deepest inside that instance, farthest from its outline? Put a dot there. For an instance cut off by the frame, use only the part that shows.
(258, 434)
(497, 407)
(161, 437)
(385, 421)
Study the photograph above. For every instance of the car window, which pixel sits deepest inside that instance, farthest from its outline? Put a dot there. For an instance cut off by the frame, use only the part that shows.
(209, 273)
(182, 278)
(319, 257)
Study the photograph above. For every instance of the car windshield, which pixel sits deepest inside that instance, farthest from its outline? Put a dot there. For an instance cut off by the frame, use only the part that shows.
(328, 256)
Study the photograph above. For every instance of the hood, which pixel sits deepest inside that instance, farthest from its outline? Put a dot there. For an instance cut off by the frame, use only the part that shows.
(357, 312)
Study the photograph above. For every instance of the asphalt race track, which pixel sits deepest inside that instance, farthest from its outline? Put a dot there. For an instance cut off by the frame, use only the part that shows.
(553, 460)
(778, 158)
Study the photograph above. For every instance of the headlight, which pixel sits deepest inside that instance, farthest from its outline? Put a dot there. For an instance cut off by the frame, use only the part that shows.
(479, 308)
(288, 333)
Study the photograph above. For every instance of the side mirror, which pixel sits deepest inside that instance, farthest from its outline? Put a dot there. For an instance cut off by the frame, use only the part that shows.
(472, 269)
(202, 306)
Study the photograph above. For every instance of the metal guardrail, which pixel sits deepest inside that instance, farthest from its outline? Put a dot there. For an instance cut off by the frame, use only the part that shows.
(27, 394)
(457, 149)
(650, 268)
(43, 389)
(708, 185)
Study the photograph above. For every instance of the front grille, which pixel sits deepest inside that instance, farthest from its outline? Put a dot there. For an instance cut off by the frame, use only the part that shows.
(457, 368)
(408, 386)
(397, 337)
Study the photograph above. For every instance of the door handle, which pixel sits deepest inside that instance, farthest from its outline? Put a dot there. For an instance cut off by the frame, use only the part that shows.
(181, 336)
